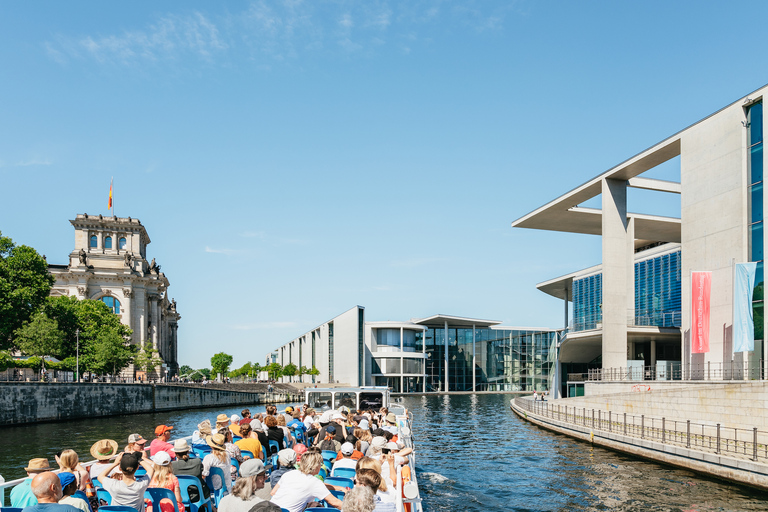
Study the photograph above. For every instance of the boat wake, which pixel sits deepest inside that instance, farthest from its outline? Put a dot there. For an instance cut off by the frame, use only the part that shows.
(434, 478)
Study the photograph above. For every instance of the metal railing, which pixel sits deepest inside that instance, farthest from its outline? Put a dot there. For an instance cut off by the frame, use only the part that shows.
(728, 370)
(743, 442)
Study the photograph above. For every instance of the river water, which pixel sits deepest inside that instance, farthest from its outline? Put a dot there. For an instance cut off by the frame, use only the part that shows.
(472, 454)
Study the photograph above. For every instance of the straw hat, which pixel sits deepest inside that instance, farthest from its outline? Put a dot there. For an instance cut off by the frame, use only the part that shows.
(204, 428)
(222, 418)
(38, 466)
(216, 441)
(180, 446)
(104, 449)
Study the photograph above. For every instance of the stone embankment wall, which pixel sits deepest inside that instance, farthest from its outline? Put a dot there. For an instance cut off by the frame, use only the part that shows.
(27, 402)
(735, 405)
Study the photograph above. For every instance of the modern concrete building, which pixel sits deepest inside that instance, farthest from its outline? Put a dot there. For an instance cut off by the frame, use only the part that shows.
(636, 317)
(417, 356)
(109, 263)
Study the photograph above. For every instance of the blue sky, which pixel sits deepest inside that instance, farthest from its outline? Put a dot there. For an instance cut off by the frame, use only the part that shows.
(293, 159)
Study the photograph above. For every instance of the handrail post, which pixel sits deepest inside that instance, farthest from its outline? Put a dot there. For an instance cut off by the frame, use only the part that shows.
(718, 438)
(593, 418)
(663, 430)
(599, 419)
(642, 426)
(754, 444)
(610, 427)
(625, 423)
(688, 435)
(584, 415)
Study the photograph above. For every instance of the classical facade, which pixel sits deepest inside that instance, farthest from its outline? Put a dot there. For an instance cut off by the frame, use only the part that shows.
(109, 263)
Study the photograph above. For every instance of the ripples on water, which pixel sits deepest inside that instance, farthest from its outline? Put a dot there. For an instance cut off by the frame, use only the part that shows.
(475, 454)
(472, 454)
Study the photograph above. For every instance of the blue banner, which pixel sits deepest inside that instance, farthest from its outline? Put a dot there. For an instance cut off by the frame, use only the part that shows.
(743, 323)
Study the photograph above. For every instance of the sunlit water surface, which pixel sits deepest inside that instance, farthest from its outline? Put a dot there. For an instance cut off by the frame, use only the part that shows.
(472, 454)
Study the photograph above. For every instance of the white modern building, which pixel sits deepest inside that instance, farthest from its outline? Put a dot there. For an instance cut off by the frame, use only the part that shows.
(637, 302)
(109, 263)
(437, 353)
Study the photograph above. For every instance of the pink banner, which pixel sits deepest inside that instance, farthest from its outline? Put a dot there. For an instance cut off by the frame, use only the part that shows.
(701, 283)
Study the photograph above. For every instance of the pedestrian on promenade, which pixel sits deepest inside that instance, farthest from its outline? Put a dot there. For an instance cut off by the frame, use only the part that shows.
(160, 443)
(22, 495)
(47, 489)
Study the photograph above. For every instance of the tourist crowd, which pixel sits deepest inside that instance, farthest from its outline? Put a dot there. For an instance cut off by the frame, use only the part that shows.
(262, 462)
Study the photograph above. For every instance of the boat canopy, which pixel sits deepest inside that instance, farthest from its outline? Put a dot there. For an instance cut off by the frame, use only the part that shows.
(367, 397)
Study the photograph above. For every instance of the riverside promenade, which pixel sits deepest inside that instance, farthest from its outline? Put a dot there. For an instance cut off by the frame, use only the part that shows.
(737, 453)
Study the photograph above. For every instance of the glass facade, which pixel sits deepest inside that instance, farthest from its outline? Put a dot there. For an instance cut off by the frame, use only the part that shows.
(755, 194)
(658, 291)
(657, 295)
(360, 346)
(391, 338)
(506, 360)
(587, 302)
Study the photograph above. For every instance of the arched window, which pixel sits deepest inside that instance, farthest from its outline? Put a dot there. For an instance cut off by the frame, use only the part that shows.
(121, 243)
(94, 241)
(113, 304)
(108, 242)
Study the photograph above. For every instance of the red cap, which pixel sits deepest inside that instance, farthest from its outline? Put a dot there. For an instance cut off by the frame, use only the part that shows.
(162, 429)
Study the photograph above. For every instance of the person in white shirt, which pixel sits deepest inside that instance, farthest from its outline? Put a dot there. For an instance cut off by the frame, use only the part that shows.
(299, 487)
(346, 460)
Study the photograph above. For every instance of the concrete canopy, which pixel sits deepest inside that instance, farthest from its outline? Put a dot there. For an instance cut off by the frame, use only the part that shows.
(454, 321)
(564, 213)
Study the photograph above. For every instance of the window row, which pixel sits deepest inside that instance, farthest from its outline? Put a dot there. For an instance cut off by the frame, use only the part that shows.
(121, 243)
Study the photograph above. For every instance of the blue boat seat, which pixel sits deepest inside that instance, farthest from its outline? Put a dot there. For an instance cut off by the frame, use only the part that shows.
(103, 496)
(344, 472)
(202, 504)
(341, 482)
(115, 508)
(217, 492)
(156, 494)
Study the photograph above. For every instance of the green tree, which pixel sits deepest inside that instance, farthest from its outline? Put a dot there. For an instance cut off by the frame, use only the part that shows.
(290, 370)
(244, 370)
(185, 370)
(112, 352)
(147, 360)
(256, 370)
(206, 373)
(303, 371)
(40, 337)
(24, 284)
(95, 321)
(314, 372)
(274, 370)
(64, 309)
(220, 363)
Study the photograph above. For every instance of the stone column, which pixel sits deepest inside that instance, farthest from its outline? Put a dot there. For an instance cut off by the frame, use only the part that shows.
(618, 237)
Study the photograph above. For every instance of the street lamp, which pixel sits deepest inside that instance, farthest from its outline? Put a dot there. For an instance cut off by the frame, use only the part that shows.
(77, 337)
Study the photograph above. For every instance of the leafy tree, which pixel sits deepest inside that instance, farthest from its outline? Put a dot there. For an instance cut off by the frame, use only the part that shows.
(64, 310)
(113, 352)
(185, 370)
(314, 372)
(24, 284)
(220, 363)
(206, 373)
(96, 320)
(274, 370)
(147, 360)
(245, 370)
(290, 370)
(40, 337)
(303, 371)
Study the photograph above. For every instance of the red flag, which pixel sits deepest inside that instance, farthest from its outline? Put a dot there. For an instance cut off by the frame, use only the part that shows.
(110, 195)
(701, 284)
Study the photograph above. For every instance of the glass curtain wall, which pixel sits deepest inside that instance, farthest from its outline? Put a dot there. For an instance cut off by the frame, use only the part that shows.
(509, 360)
(658, 291)
(755, 162)
(587, 302)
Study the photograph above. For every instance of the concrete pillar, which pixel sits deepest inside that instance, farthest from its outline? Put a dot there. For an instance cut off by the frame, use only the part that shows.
(617, 238)
(565, 309)
(653, 353)
(446, 355)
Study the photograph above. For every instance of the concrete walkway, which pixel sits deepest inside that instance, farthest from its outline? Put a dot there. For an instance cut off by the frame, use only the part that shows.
(734, 460)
